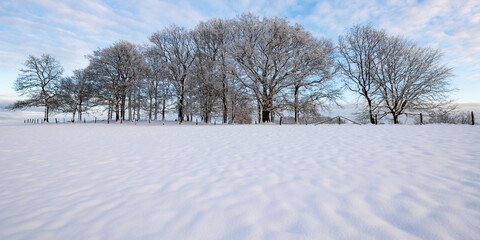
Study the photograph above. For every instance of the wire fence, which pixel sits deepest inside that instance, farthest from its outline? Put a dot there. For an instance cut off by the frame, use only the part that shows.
(420, 117)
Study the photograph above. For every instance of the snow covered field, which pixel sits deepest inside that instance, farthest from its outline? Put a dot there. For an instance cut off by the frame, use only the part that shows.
(101, 181)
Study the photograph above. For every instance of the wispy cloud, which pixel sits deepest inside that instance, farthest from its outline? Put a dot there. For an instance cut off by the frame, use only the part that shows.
(71, 29)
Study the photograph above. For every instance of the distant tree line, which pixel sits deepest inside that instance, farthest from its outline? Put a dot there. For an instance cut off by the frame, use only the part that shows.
(242, 70)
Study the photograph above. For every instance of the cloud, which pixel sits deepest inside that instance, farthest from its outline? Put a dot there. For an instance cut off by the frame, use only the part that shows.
(70, 29)
(452, 26)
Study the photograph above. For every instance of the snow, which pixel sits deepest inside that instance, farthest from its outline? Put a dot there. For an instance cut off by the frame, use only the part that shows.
(98, 181)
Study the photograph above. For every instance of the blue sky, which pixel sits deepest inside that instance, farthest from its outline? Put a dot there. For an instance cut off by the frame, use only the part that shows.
(69, 30)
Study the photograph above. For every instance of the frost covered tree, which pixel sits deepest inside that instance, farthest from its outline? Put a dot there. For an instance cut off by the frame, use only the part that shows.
(39, 82)
(265, 52)
(75, 93)
(158, 87)
(312, 71)
(391, 73)
(358, 51)
(410, 77)
(176, 48)
(211, 67)
(117, 70)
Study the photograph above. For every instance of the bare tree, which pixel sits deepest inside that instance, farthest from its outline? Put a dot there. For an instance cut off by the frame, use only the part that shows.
(411, 77)
(211, 66)
(176, 48)
(158, 86)
(75, 93)
(311, 78)
(358, 51)
(264, 53)
(272, 56)
(117, 69)
(39, 81)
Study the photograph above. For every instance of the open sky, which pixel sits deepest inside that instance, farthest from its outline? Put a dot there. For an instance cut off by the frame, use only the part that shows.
(71, 29)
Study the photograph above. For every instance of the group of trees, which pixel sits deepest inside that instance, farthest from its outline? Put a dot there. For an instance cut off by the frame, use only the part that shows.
(234, 68)
(392, 74)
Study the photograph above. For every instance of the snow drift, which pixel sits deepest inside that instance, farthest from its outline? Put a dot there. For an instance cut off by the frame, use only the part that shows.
(91, 181)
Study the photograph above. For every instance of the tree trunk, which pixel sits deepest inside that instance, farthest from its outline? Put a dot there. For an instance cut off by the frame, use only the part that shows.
(138, 107)
(267, 110)
(156, 103)
(150, 106)
(123, 108)
(395, 118)
(117, 112)
(163, 109)
(370, 111)
(259, 112)
(109, 113)
(265, 115)
(224, 101)
(130, 110)
(207, 117)
(73, 116)
(187, 110)
(233, 112)
(80, 111)
(117, 109)
(296, 108)
(45, 117)
(180, 109)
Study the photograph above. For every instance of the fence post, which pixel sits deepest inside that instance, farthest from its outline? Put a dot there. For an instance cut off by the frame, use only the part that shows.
(339, 120)
(196, 121)
(473, 119)
(84, 120)
(95, 119)
(56, 121)
(421, 119)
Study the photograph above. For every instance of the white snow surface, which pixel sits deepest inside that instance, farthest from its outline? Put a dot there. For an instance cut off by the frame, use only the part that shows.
(239, 182)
